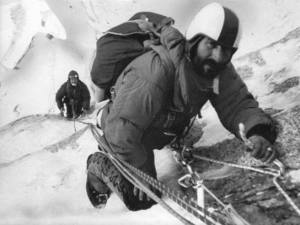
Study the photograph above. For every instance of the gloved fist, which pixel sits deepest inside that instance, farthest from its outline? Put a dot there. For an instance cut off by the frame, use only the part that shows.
(262, 149)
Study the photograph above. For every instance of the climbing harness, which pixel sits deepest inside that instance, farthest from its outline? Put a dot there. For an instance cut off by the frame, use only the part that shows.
(176, 143)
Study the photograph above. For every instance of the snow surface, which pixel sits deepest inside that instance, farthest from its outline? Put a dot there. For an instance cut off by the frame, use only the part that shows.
(43, 179)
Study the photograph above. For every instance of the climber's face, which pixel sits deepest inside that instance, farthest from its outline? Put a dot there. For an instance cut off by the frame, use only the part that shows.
(210, 57)
(74, 80)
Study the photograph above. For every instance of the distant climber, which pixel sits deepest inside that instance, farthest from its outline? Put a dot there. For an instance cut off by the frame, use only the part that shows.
(73, 97)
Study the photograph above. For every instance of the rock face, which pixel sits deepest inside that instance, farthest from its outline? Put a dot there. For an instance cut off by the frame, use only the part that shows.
(252, 194)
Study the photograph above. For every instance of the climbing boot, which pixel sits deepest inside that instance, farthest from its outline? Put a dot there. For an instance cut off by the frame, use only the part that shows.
(97, 191)
(104, 170)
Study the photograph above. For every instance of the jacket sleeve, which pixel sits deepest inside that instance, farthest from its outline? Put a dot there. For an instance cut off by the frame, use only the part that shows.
(85, 97)
(235, 104)
(59, 95)
(136, 104)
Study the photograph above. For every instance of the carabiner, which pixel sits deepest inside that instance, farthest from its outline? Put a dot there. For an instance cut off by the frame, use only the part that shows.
(281, 167)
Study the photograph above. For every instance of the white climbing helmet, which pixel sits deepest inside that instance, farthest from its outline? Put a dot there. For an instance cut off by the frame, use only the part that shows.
(216, 22)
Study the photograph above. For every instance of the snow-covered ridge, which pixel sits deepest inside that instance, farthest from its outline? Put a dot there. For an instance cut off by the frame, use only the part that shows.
(75, 26)
(21, 21)
(273, 72)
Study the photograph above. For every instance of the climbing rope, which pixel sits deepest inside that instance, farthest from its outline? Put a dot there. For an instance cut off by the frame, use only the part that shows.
(189, 205)
(132, 178)
(289, 200)
(268, 172)
(275, 173)
(193, 179)
(73, 114)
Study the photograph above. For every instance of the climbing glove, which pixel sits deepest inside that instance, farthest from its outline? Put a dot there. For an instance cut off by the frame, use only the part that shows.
(262, 149)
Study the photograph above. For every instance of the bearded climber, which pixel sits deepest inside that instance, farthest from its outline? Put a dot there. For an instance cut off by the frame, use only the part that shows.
(153, 103)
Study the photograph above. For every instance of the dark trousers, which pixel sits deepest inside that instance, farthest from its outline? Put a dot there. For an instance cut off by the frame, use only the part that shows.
(103, 168)
(73, 109)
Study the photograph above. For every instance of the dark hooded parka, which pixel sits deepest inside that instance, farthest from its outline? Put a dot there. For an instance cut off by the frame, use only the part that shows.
(79, 95)
(152, 101)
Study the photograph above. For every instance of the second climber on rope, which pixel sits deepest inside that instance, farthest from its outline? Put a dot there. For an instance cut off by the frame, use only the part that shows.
(161, 90)
(73, 97)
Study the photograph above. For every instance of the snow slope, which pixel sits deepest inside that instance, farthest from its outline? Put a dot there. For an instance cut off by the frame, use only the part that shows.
(43, 177)
(21, 20)
(42, 166)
